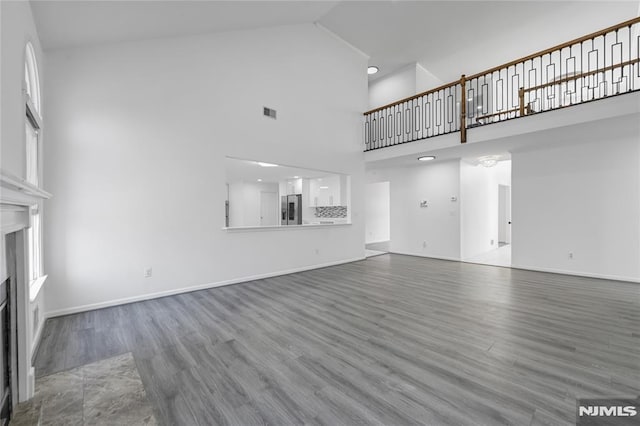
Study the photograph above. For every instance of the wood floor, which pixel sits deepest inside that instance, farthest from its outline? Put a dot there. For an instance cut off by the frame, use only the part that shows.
(392, 340)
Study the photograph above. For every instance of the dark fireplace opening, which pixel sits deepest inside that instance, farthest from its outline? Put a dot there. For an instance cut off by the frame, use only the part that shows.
(8, 335)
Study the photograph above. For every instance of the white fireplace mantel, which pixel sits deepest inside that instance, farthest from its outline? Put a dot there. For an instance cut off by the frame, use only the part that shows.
(16, 199)
(17, 191)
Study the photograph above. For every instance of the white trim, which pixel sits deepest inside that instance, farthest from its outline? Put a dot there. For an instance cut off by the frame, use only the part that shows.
(531, 268)
(37, 336)
(579, 274)
(16, 190)
(35, 286)
(377, 241)
(283, 227)
(126, 300)
(453, 259)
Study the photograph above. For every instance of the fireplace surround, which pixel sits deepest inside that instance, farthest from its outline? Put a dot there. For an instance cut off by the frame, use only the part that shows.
(17, 197)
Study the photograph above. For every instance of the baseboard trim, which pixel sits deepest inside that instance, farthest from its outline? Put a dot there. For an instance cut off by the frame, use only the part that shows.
(141, 298)
(453, 259)
(578, 274)
(37, 337)
(634, 280)
(376, 242)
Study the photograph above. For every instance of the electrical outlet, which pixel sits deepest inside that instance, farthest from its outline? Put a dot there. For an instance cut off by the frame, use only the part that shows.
(491, 242)
(148, 272)
(317, 251)
(424, 244)
(571, 255)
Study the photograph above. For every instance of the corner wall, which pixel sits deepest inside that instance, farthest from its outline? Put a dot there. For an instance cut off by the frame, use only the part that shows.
(138, 134)
(432, 231)
(580, 194)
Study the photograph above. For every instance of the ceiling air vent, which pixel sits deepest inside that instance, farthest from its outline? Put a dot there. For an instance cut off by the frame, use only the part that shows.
(268, 112)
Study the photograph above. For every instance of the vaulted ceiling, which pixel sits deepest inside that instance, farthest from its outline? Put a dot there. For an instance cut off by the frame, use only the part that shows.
(445, 37)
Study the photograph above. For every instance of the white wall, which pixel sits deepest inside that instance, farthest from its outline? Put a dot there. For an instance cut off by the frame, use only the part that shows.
(138, 134)
(479, 206)
(432, 231)
(377, 208)
(580, 193)
(425, 80)
(392, 87)
(17, 28)
(407, 81)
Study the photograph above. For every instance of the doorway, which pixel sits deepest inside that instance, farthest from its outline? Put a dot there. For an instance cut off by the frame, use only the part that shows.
(269, 208)
(485, 232)
(378, 218)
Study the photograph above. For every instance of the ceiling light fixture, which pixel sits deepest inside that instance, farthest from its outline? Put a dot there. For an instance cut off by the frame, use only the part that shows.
(488, 160)
(296, 177)
(261, 164)
(372, 70)
(259, 180)
(427, 158)
(324, 187)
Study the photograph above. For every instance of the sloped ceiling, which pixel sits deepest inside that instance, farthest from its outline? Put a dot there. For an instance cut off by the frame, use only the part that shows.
(445, 37)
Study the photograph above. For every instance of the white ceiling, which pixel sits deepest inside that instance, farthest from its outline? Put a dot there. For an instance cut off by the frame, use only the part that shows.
(449, 38)
(445, 37)
(87, 22)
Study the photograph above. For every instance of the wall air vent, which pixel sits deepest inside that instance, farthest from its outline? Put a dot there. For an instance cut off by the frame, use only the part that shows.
(268, 112)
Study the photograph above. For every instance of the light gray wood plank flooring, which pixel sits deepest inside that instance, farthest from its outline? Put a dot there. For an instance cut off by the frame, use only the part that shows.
(393, 340)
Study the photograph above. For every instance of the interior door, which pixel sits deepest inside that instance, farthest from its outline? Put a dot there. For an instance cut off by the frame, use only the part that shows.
(504, 214)
(269, 208)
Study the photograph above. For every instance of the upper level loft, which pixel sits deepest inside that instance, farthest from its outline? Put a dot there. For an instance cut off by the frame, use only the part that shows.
(597, 66)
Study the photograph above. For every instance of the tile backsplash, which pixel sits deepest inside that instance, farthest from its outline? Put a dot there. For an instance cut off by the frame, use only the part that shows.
(331, 211)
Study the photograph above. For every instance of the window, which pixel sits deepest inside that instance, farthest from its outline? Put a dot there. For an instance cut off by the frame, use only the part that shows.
(31, 78)
(33, 167)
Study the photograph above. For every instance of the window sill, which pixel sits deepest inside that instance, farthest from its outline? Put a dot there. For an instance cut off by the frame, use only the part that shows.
(35, 286)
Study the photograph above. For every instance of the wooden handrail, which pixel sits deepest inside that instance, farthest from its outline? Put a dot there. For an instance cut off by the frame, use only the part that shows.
(558, 47)
(410, 98)
(582, 75)
(517, 61)
(509, 111)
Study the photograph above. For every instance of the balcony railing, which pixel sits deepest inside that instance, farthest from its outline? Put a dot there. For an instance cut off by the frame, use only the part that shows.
(596, 66)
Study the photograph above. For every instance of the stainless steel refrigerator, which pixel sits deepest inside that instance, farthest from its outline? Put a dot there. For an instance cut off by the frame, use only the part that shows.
(291, 209)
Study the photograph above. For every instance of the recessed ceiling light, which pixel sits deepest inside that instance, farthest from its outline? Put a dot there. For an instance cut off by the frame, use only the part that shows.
(324, 187)
(372, 70)
(296, 177)
(427, 158)
(261, 164)
(259, 180)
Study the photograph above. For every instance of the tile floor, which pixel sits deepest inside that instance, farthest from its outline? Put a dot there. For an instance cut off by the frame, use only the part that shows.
(107, 392)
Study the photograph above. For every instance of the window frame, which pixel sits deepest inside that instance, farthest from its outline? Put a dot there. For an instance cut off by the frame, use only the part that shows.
(33, 118)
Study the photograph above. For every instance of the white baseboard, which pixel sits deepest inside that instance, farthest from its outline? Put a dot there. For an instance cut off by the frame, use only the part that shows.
(376, 242)
(123, 301)
(428, 256)
(37, 336)
(533, 268)
(578, 274)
